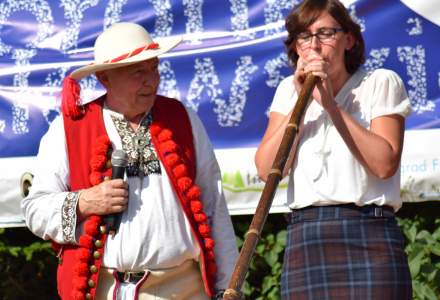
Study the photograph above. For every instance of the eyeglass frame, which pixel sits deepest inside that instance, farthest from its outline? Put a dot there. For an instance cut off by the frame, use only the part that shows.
(308, 39)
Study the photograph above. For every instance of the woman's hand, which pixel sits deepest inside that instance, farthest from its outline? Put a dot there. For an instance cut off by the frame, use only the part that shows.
(108, 197)
(316, 65)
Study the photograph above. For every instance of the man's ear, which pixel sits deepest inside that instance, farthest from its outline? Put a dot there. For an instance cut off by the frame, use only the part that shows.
(102, 78)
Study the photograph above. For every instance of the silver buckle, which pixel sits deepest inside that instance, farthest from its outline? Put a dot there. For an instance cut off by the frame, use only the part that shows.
(378, 212)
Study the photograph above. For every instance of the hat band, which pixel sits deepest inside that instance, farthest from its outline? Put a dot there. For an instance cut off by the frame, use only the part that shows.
(151, 46)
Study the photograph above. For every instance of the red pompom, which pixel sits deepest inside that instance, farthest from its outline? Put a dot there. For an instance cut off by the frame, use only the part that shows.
(70, 95)
(100, 148)
(91, 227)
(172, 159)
(86, 241)
(184, 183)
(97, 162)
(81, 269)
(200, 217)
(180, 171)
(79, 283)
(96, 219)
(168, 147)
(165, 135)
(155, 128)
(210, 255)
(196, 206)
(204, 230)
(78, 295)
(193, 193)
(95, 178)
(212, 270)
(83, 254)
(209, 243)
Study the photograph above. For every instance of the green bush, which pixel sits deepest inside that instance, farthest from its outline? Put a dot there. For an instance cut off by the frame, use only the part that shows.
(423, 250)
(28, 264)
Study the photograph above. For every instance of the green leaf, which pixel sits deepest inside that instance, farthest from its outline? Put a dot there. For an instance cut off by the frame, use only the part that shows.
(436, 234)
(427, 292)
(418, 289)
(429, 271)
(274, 294)
(271, 258)
(415, 260)
(435, 249)
(282, 237)
(411, 233)
(425, 237)
(268, 283)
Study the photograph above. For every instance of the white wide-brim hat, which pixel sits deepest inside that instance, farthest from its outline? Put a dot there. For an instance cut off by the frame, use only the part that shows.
(120, 45)
(123, 44)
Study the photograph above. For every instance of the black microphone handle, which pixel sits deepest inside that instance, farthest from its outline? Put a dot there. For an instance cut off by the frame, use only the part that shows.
(114, 220)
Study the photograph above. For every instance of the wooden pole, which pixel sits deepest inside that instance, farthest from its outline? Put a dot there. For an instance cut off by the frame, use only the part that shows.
(252, 236)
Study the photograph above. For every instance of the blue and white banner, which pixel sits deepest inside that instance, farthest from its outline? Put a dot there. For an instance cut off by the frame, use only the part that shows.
(227, 70)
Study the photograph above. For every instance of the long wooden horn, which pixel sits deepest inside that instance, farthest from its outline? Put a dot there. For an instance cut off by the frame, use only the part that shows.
(233, 292)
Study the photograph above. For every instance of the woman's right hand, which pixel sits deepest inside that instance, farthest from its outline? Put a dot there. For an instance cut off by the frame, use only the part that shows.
(318, 66)
(108, 197)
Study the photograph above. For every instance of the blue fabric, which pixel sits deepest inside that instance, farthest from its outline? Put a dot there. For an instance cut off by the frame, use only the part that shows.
(344, 252)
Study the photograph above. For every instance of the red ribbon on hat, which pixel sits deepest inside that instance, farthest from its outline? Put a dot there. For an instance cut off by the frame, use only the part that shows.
(151, 46)
(70, 93)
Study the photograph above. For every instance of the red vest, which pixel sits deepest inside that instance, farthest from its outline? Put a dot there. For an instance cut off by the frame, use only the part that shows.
(168, 114)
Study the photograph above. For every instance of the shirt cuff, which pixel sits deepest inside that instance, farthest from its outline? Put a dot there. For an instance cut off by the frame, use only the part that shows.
(68, 216)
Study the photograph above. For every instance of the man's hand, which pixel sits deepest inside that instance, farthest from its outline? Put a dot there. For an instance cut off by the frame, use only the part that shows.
(108, 197)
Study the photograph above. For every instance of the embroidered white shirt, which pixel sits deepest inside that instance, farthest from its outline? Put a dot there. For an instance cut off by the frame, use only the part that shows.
(154, 232)
(325, 171)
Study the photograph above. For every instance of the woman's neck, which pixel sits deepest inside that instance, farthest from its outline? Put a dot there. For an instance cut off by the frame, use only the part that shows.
(338, 80)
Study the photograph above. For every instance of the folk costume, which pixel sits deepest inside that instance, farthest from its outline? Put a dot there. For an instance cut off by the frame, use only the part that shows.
(176, 213)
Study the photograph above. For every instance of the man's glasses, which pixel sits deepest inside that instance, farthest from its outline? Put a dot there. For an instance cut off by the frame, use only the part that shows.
(324, 34)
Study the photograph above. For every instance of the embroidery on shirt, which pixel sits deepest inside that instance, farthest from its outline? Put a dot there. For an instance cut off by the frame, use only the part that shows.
(68, 216)
(142, 157)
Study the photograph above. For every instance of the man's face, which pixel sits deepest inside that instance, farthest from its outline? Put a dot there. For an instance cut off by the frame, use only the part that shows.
(137, 83)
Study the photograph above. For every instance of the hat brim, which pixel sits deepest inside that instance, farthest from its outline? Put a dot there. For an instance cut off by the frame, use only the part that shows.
(165, 45)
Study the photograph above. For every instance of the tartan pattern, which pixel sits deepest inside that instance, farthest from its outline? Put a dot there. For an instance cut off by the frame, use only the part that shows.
(345, 252)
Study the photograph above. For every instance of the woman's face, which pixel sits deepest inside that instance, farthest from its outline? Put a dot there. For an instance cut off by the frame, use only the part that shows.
(325, 39)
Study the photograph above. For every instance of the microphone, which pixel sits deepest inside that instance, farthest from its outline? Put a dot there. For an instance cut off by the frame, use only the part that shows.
(119, 163)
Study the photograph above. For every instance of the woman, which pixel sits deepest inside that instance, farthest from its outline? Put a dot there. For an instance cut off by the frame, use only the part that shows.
(343, 240)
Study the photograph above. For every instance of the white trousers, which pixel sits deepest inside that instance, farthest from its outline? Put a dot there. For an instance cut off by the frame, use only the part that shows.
(183, 282)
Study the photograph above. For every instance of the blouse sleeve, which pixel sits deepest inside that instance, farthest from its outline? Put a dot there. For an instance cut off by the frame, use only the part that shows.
(389, 96)
(284, 95)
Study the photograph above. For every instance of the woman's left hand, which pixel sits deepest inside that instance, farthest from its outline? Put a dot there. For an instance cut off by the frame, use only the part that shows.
(318, 66)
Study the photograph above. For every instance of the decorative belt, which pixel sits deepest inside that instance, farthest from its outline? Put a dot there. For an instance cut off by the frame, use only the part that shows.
(129, 277)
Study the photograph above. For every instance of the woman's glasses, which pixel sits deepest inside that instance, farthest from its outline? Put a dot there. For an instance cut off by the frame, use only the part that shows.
(324, 34)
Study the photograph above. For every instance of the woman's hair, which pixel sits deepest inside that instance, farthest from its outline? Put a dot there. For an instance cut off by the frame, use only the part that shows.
(304, 15)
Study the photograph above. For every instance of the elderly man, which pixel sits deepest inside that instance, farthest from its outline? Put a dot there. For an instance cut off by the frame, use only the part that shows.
(175, 238)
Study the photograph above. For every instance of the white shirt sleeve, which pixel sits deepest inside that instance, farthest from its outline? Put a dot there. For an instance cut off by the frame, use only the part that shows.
(208, 178)
(285, 96)
(42, 208)
(388, 94)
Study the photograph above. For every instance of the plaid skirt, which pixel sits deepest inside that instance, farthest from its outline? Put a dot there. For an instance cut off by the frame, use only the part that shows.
(345, 252)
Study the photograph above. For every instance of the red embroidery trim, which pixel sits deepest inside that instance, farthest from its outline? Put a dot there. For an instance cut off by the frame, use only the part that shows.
(190, 191)
(85, 254)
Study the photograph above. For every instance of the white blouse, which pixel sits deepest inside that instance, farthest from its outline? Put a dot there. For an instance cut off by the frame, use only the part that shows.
(325, 170)
(154, 231)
